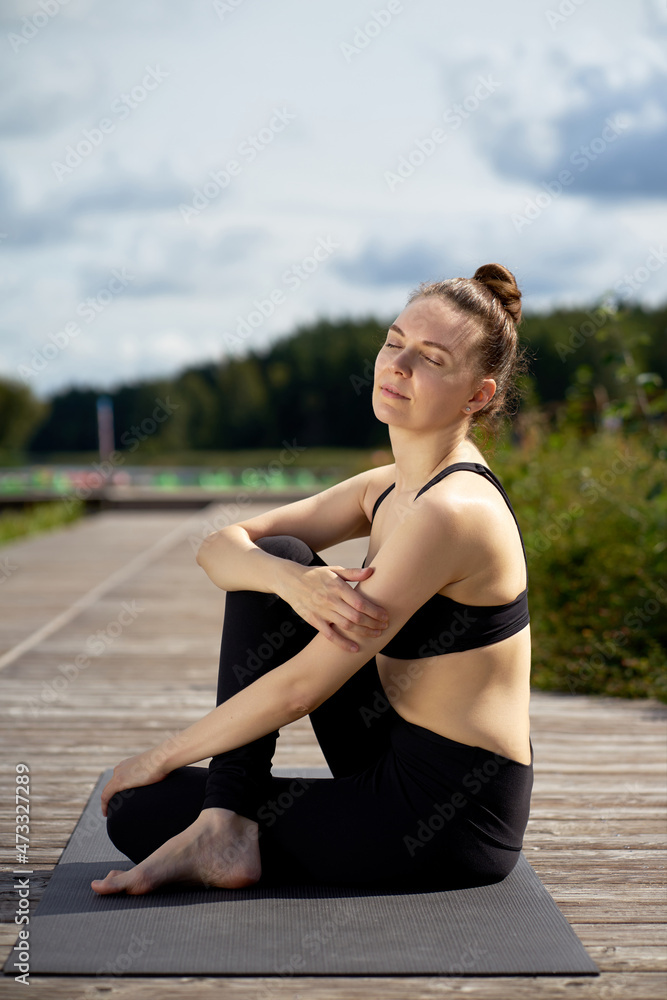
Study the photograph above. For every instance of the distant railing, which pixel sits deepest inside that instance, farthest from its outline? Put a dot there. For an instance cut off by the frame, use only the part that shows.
(82, 481)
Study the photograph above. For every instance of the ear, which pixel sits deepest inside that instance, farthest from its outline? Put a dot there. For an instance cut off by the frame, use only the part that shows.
(483, 394)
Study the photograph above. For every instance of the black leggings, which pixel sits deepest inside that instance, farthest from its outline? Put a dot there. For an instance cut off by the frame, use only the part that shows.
(405, 808)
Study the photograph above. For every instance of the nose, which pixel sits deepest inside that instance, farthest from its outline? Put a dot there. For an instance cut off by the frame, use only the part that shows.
(401, 361)
(402, 364)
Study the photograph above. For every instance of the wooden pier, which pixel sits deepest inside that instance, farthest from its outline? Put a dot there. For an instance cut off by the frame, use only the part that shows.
(596, 835)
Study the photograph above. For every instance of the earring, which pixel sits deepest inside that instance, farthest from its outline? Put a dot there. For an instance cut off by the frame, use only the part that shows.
(467, 409)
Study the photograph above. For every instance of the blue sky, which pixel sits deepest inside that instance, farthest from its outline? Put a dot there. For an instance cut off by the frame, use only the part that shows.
(180, 181)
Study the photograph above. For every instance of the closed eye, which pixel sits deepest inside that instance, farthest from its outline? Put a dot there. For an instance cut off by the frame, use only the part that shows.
(432, 361)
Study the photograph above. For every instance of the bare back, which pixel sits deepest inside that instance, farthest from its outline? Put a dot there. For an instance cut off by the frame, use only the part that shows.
(476, 696)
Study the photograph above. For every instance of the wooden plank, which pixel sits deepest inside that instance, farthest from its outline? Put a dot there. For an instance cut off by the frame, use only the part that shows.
(597, 828)
(616, 986)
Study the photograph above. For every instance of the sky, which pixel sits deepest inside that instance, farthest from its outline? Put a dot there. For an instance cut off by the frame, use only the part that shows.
(185, 181)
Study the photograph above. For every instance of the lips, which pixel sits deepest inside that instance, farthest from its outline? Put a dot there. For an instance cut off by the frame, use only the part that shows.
(392, 390)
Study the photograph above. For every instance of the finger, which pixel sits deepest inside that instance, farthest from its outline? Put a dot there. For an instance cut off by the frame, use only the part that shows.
(353, 573)
(338, 640)
(342, 621)
(107, 794)
(362, 612)
(375, 612)
(364, 605)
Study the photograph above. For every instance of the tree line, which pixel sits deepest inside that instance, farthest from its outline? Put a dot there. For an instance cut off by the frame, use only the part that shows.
(315, 386)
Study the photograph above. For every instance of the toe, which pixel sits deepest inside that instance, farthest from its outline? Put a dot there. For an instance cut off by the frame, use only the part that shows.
(134, 882)
(114, 882)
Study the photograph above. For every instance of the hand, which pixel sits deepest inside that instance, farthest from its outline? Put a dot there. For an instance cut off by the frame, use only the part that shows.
(143, 769)
(322, 596)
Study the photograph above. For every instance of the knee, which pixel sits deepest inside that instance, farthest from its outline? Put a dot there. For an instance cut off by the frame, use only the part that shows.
(287, 547)
(122, 817)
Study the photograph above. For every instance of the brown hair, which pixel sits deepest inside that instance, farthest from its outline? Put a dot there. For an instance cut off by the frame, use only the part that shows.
(492, 299)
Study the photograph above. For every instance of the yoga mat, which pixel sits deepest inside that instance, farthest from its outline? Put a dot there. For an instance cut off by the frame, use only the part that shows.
(510, 928)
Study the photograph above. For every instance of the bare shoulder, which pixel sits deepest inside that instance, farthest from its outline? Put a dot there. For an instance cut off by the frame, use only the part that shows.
(376, 482)
(482, 538)
(472, 509)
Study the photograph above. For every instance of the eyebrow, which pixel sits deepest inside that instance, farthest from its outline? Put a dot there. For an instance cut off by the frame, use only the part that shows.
(429, 343)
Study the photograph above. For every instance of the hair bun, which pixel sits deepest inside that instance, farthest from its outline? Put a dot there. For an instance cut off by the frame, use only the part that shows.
(502, 284)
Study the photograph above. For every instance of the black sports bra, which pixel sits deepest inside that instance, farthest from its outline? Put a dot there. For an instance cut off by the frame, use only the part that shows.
(442, 625)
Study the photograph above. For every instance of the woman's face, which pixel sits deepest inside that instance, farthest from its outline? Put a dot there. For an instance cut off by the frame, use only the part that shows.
(423, 379)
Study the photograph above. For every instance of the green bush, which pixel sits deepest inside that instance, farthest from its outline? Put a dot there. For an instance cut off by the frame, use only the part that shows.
(38, 517)
(593, 513)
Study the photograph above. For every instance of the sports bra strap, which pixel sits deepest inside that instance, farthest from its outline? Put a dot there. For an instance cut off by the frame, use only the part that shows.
(492, 478)
(472, 467)
(380, 499)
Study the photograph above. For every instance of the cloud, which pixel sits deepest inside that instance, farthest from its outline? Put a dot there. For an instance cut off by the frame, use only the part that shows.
(121, 206)
(611, 136)
(41, 92)
(410, 264)
(121, 191)
(116, 192)
(236, 245)
(47, 224)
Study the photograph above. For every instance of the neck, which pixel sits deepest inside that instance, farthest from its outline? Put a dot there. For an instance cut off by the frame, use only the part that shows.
(419, 456)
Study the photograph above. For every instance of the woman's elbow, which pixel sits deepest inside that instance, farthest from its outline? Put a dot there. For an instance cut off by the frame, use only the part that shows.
(206, 546)
(301, 701)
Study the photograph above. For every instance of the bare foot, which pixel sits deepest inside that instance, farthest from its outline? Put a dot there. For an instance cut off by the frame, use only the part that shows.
(219, 849)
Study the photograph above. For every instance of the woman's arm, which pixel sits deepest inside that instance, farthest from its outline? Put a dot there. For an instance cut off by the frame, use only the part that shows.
(233, 562)
(269, 703)
(422, 554)
(322, 596)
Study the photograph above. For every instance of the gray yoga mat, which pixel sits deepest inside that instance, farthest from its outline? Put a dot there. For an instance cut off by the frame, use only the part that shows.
(510, 928)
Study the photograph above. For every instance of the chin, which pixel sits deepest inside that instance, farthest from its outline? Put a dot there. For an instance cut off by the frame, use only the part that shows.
(384, 413)
(380, 411)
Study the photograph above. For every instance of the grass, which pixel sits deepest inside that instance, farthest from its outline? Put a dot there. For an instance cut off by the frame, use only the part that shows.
(37, 518)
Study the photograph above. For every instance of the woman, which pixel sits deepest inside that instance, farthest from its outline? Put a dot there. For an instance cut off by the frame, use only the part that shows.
(416, 681)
